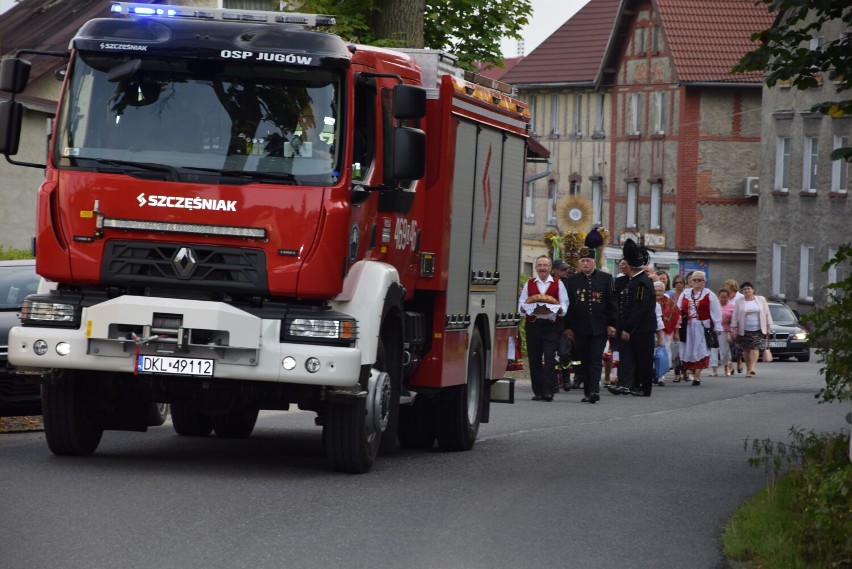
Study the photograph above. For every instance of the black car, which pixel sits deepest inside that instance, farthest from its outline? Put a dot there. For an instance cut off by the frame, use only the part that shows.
(788, 338)
(19, 395)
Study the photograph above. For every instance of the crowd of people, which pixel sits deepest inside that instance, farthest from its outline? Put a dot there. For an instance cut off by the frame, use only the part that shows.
(640, 318)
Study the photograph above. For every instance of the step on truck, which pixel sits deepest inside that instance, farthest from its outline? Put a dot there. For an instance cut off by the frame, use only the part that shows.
(244, 212)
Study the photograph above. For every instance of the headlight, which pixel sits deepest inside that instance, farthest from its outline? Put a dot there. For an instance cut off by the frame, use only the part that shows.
(322, 329)
(801, 335)
(40, 311)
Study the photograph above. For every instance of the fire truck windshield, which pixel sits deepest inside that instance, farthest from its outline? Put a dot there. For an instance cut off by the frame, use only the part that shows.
(192, 115)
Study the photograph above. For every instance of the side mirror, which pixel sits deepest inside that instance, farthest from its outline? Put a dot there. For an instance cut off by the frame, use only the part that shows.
(409, 153)
(14, 74)
(409, 102)
(11, 116)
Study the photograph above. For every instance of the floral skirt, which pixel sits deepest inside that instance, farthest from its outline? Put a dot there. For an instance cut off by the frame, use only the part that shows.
(751, 340)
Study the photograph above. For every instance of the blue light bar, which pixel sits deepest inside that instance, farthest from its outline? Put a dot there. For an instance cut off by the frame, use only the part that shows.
(122, 9)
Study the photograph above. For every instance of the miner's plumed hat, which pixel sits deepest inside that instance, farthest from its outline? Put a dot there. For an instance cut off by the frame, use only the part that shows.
(591, 243)
(635, 255)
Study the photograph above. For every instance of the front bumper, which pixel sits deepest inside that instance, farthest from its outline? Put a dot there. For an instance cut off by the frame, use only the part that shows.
(247, 347)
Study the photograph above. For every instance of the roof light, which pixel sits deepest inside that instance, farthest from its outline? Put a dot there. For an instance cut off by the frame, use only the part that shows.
(228, 15)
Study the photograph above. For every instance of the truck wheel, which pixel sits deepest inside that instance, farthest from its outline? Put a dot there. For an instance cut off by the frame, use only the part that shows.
(157, 413)
(389, 360)
(417, 424)
(235, 425)
(188, 422)
(460, 407)
(350, 446)
(71, 424)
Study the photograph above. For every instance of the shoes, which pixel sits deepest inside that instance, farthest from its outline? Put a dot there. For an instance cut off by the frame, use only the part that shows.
(547, 398)
(752, 374)
(537, 398)
(566, 387)
(729, 372)
(739, 370)
(714, 375)
(661, 383)
(696, 382)
(613, 389)
(677, 379)
(594, 398)
(624, 390)
(577, 384)
(638, 393)
(585, 400)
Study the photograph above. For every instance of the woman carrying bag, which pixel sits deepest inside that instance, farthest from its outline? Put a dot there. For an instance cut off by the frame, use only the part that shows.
(700, 310)
(750, 326)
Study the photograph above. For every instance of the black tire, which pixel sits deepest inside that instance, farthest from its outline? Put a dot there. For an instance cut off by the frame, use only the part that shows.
(157, 413)
(417, 424)
(460, 407)
(389, 360)
(348, 445)
(71, 424)
(188, 422)
(238, 424)
(805, 358)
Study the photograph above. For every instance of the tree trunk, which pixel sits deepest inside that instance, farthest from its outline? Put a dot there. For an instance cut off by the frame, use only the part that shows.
(400, 21)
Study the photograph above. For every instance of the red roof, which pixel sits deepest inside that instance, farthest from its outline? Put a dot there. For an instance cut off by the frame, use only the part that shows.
(497, 73)
(573, 53)
(707, 37)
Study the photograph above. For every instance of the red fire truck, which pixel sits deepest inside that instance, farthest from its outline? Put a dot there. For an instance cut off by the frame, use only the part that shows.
(243, 213)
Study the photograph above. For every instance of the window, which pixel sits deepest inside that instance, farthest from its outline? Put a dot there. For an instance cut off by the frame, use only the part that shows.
(554, 113)
(634, 111)
(574, 188)
(655, 39)
(809, 169)
(782, 164)
(551, 202)
(840, 168)
(659, 112)
(632, 199)
(577, 125)
(529, 205)
(597, 202)
(806, 273)
(836, 273)
(599, 113)
(816, 43)
(656, 204)
(779, 272)
(534, 113)
(639, 38)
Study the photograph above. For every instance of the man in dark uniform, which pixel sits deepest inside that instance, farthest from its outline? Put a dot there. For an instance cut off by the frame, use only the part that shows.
(636, 325)
(591, 317)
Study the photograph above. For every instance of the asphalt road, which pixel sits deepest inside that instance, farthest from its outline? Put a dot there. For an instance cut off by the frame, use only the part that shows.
(626, 483)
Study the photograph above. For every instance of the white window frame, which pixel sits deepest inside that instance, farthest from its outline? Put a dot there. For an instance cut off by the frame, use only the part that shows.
(577, 126)
(600, 107)
(529, 202)
(635, 108)
(840, 169)
(809, 167)
(807, 270)
(554, 113)
(632, 203)
(551, 202)
(779, 270)
(597, 202)
(659, 109)
(656, 215)
(782, 163)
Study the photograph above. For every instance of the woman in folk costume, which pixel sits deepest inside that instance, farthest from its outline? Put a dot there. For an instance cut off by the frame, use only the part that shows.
(699, 308)
(671, 321)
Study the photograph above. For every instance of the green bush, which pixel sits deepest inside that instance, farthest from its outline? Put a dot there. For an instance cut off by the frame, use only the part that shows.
(810, 498)
(7, 253)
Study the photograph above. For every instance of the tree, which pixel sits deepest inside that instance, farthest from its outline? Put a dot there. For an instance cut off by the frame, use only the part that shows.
(470, 29)
(830, 330)
(786, 53)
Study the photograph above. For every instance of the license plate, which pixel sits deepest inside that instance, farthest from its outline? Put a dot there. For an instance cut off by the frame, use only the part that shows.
(778, 344)
(174, 366)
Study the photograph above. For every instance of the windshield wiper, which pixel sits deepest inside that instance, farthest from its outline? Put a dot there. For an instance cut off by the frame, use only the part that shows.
(249, 175)
(127, 166)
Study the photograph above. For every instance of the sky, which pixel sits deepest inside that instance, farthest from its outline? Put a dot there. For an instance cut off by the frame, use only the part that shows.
(547, 17)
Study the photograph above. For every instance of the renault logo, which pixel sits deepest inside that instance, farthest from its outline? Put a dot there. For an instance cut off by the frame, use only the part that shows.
(184, 262)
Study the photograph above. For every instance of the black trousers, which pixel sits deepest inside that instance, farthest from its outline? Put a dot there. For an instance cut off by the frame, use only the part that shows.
(639, 352)
(542, 339)
(588, 349)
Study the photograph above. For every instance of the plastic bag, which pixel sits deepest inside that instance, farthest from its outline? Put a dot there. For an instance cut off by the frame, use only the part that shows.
(661, 361)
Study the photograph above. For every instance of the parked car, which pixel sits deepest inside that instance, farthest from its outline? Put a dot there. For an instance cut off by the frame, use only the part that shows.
(19, 395)
(788, 338)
